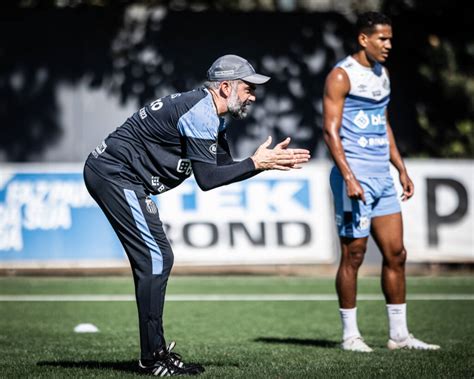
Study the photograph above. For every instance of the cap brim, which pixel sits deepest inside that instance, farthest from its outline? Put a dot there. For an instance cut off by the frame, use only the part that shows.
(256, 79)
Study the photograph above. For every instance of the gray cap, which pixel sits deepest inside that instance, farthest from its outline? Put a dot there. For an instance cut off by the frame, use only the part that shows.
(233, 67)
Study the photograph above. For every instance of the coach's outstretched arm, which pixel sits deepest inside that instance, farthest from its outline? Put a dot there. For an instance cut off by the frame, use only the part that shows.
(280, 157)
(209, 176)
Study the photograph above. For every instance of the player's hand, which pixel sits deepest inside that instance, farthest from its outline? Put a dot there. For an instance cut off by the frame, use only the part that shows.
(280, 157)
(407, 185)
(355, 190)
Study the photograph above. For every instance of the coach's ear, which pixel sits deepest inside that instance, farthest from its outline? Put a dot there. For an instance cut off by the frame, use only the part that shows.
(225, 89)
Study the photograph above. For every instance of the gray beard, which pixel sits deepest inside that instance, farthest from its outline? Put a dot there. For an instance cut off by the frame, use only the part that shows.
(236, 108)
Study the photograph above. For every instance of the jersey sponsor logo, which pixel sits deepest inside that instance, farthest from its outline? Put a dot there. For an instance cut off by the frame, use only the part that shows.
(175, 95)
(142, 113)
(99, 149)
(361, 88)
(151, 206)
(363, 141)
(378, 141)
(184, 167)
(377, 119)
(161, 188)
(361, 119)
(376, 93)
(213, 148)
(155, 182)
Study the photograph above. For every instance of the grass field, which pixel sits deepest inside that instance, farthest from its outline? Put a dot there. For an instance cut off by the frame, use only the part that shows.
(232, 339)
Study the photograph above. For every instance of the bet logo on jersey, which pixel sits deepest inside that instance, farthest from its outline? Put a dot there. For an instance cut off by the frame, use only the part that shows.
(184, 166)
(361, 120)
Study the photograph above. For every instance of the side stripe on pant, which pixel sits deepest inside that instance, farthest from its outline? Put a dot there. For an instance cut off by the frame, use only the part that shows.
(156, 256)
(346, 201)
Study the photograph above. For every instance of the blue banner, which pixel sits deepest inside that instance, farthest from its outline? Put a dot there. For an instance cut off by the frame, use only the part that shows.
(48, 219)
(51, 216)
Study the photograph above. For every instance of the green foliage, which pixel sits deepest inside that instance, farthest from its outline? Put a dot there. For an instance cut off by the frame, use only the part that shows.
(444, 72)
(439, 53)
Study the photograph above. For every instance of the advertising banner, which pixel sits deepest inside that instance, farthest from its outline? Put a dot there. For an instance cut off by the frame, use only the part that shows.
(48, 219)
(275, 217)
(439, 219)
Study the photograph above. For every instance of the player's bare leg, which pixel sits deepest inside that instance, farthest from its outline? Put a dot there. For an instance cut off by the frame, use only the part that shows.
(387, 232)
(388, 235)
(352, 256)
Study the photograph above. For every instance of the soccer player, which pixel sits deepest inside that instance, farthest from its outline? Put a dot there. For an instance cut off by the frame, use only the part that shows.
(155, 150)
(362, 144)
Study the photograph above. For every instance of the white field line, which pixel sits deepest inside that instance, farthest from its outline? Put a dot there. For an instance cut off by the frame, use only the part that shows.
(228, 297)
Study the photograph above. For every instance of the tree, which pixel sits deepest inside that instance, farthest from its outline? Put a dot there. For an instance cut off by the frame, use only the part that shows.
(432, 71)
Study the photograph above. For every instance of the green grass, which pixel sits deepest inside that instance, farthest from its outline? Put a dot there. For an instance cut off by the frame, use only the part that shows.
(297, 339)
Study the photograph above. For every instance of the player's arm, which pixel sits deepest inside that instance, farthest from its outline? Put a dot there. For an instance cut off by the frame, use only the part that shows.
(335, 91)
(397, 160)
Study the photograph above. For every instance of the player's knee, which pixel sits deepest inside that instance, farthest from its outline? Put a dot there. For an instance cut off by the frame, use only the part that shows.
(356, 256)
(397, 257)
(402, 256)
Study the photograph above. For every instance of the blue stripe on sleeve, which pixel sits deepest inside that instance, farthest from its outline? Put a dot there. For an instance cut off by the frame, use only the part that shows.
(201, 121)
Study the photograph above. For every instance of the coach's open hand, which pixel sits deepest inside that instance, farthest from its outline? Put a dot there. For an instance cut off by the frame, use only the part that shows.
(280, 157)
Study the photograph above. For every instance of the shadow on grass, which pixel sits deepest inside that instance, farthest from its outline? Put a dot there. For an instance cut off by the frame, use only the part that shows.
(298, 341)
(128, 366)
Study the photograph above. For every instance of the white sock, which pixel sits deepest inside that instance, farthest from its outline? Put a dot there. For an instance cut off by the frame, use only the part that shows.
(397, 321)
(349, 323)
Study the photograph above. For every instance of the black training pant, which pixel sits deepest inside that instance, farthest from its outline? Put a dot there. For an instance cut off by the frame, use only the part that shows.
(135, 219)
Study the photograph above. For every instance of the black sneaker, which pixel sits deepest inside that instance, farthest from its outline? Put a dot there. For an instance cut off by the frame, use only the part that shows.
(177, 360)
(168, 363)
(160, 368)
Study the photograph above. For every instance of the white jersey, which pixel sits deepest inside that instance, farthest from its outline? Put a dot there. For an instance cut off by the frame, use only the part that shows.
(364, 130)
